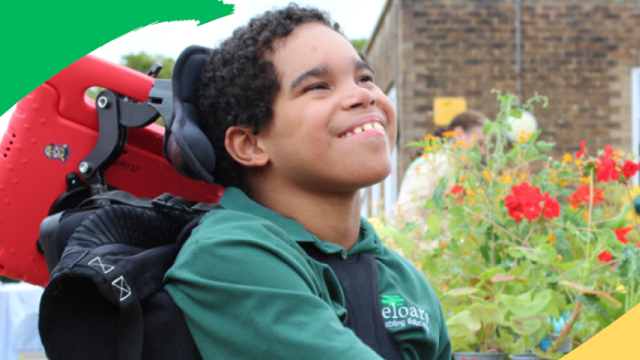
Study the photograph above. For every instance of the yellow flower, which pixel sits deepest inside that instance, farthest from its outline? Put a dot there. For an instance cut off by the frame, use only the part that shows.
(418, 265)
(472, 200)
(427, 148)
(523, 176)
(506, 179)
(425, 156)
(567, 158)
(417, 168)
(559, 257)
(463, 178)
(522, 139)
(551, 237)
(471, 192)
(486, 175)
(462, 144)
(584, 179)
(464, 159)
(376, 223)
(448, 134)
(563, 182)
(579, 163)
(436, 146)
(444, 245)
(621, 288)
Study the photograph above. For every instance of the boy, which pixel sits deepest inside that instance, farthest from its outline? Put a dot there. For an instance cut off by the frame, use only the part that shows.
(286, 265)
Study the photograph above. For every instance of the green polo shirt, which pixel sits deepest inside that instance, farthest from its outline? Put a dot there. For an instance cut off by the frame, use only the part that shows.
(248, 291)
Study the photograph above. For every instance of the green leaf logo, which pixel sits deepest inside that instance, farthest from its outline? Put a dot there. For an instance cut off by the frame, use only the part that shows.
(392, 299)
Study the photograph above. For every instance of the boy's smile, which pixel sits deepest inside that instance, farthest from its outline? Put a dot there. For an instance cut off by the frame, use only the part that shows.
(333, 129)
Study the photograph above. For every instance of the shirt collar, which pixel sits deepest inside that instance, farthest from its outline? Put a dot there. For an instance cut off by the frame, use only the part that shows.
(235, 199)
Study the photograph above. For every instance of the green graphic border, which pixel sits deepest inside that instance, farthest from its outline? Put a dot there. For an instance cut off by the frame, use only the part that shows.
(43, 37)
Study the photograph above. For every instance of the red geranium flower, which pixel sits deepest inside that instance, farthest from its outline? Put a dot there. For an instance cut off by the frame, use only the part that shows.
(605, 256)
(582, 149)
(459, 194)
(581, 196)
(629, 169)
(528, 201)
(551, 207)
(621, 234)
(606, 169)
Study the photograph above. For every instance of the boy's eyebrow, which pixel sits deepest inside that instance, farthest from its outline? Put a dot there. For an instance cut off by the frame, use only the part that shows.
(360, 64)
(324, 70)
(315, 72)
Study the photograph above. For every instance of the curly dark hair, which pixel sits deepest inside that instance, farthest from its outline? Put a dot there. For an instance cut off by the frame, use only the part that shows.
(238, 84)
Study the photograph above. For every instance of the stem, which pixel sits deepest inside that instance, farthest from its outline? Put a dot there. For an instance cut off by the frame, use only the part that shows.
(566, 329)
(588, 259)
(494, 224)
(612, 263)
(635, 218)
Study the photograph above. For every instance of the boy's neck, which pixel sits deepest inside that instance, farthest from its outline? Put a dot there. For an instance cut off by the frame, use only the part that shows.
(331, 217)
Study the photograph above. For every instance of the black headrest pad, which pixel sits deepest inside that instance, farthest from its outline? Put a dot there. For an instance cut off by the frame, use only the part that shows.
(185, 145)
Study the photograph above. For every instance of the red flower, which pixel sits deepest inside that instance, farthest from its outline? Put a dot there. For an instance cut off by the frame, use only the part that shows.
(581, 196)
(605, 256)
(621, 234)
(582, 149)
(629, 169)
(606, 169)
(459, 194)
(528, 201)
(551, 207)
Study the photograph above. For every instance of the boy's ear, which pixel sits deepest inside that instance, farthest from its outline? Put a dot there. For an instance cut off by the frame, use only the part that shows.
(243, 146)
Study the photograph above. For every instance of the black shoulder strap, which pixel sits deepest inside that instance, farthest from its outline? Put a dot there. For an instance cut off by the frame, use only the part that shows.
(358, 277)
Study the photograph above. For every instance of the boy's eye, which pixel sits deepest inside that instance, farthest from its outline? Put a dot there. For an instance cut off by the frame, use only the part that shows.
(364, 79)
(319, 86)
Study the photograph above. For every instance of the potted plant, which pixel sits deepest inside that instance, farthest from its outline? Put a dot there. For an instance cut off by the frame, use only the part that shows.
(516, 238)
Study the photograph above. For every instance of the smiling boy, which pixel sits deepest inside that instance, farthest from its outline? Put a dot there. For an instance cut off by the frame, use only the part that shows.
(288, 269)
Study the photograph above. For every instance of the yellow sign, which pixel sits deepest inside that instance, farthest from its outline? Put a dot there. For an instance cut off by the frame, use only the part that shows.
(445, 108)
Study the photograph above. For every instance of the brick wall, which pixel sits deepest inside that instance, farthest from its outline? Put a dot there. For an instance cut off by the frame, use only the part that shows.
(578, 53)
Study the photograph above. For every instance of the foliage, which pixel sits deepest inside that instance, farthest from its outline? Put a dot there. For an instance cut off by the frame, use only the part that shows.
(516, 240)
(143, 62)
(358, 44)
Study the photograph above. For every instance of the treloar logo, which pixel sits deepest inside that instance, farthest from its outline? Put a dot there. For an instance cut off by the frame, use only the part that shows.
(398, 315)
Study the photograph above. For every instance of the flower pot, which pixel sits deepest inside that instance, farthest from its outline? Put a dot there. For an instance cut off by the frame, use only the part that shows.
(524, 357)
(457, 355)
(564, 348)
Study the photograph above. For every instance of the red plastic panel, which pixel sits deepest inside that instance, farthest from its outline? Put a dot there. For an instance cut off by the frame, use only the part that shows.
(50, 132)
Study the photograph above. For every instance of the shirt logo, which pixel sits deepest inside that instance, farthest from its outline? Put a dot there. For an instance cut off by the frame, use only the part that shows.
(398, 315)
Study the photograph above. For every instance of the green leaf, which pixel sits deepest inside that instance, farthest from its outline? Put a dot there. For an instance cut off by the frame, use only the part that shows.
(487, 127)
(415, 143)
(462, 291)
(465, 319)
(516, 113)
(438, 194)
(433, 223)
(544, 254)
(525, 326)
(545, 146)
(488, 314)
(474, 155)
(403, 241)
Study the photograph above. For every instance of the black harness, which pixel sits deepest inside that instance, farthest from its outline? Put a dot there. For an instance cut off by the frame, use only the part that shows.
(358, 277)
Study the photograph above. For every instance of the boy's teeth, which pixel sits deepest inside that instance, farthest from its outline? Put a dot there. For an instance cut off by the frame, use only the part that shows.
(359, 129)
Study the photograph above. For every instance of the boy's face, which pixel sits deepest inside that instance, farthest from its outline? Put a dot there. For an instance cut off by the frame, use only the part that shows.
(333, 129)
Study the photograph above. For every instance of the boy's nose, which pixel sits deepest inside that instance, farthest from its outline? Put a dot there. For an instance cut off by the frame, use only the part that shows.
(358, 96)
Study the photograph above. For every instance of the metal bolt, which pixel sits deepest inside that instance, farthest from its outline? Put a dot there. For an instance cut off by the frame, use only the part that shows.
(103, 102)
(83, 167)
